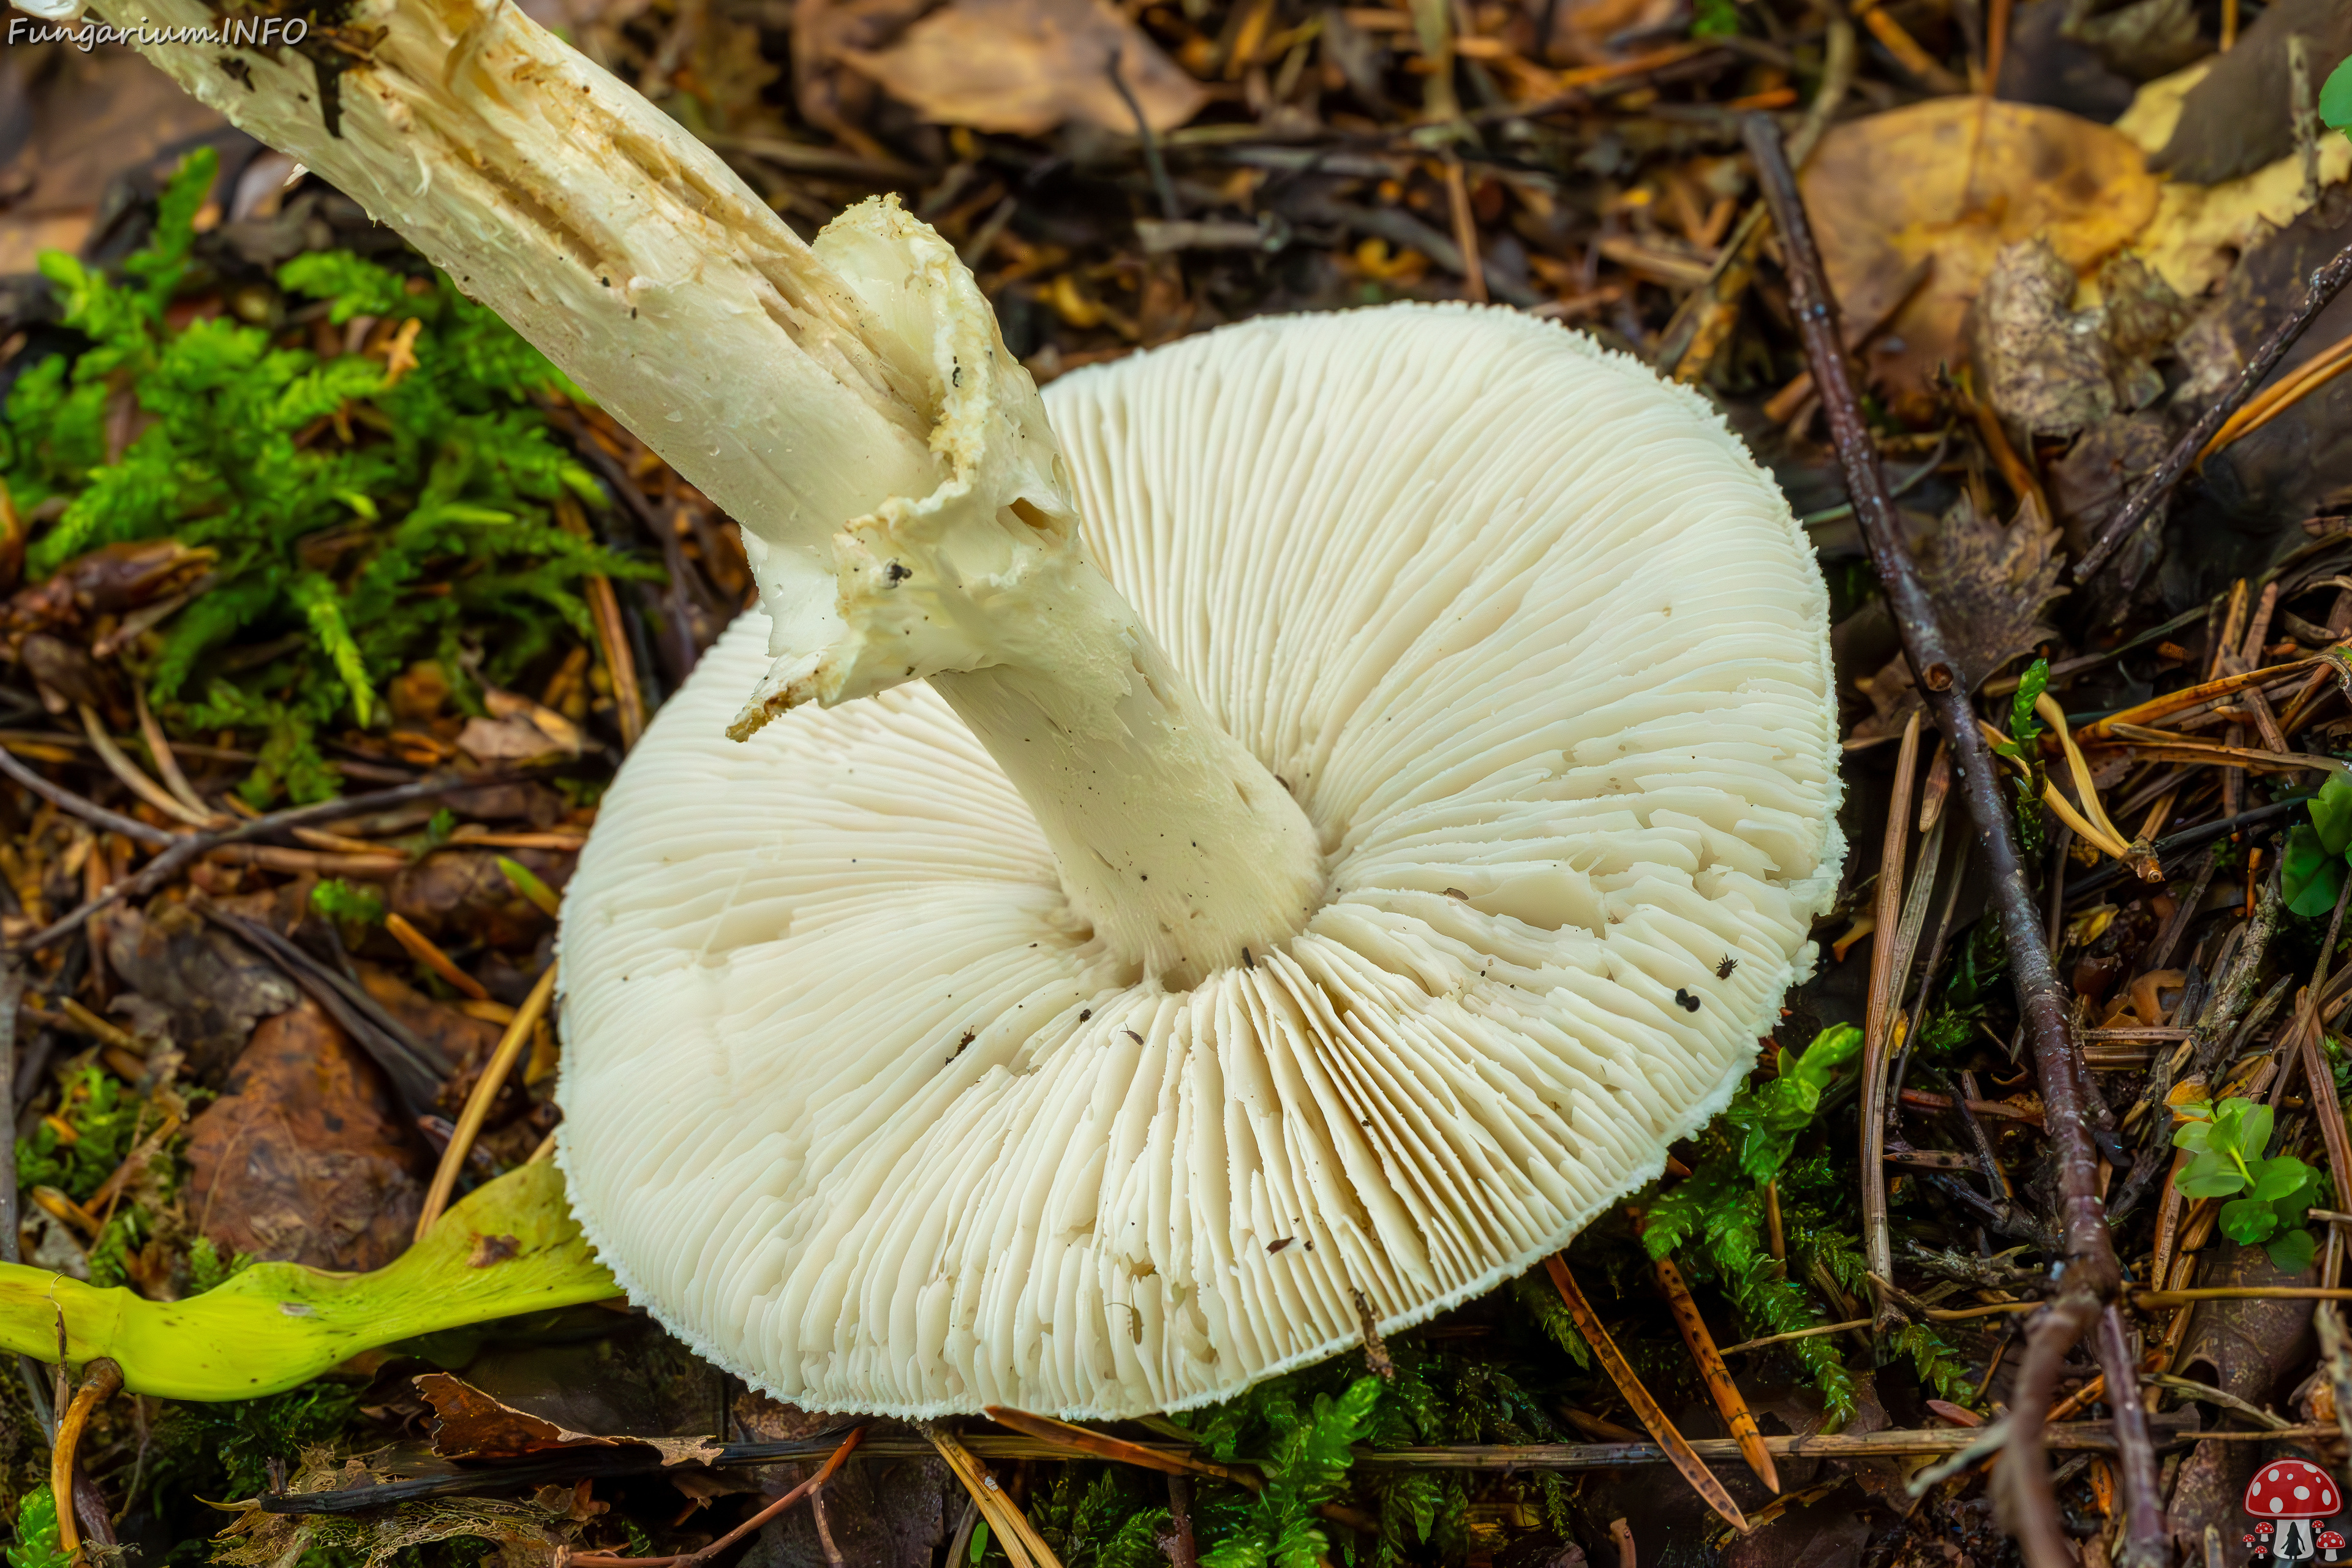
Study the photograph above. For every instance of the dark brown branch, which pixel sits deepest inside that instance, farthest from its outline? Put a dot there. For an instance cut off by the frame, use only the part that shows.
(2021, 1484)
(2089, 1273)
(2324, 286)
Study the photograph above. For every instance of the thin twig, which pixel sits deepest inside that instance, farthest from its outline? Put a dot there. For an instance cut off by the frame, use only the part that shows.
(477, 1103)
(1170, 207)
(575, 1464)
(90, 811)
(2090, 1272)
(1879, 1020)
(703, 1554)
(99, 1380)
(2323, 288)
(182, 849)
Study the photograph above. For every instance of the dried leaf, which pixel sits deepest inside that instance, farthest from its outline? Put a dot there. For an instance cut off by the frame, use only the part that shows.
(1957, 179)
(470, 1425)
(305, 1158)
(2200, 230)
(2236, 118)
(1025, 66)
(213, 988)
(2142, 39)
(2044, 366)
(529, 1535)
(520, 732)
(1992, 583)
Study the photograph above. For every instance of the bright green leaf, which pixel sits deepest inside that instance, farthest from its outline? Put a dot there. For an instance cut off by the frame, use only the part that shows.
(2195, 1136)
(2331, 814)
(2024, 724)
(2279, 1178)
(37, 1533)
(2253, 1130)
(2335, 99)
(2290, 1250)
(2210, 1176)
(2310, 876)
(2247, 1220)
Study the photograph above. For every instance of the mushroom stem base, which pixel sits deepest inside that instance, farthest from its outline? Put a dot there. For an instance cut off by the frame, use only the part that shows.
(1181, 847)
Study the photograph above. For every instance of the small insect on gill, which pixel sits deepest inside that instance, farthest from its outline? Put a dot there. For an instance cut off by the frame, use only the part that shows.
(1723, 970)
(1684, 1000)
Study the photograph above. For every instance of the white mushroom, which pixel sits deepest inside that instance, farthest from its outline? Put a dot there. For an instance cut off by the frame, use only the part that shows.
(893, 1085)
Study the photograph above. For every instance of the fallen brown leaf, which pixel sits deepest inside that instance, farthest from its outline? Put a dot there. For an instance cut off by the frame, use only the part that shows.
(1025, 66)
(1957, 179)
(211, 988)
(520, 732)
(2200, 230)
(1992, 583)
(470, 1425)
(305, 1158)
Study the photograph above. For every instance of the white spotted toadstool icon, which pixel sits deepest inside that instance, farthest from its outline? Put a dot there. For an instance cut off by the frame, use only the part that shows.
(2294, 1494)
(1352, 746)
(2331, 1542)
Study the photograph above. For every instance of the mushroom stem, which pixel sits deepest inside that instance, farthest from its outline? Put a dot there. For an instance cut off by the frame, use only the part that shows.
(905, 503)
(1174, 842)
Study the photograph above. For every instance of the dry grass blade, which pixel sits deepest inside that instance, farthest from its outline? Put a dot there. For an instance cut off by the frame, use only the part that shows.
(612, 643)
(2276, 399)
(2089, 832)
(167, 763)
(427, 952)
(2189, 698)
(1653, 1416)
(1046, 1429)
(1879, 1022)
(2055, 717)
(1719, 1385)
(138, 783)
(1022, 1544)
(477, 1104)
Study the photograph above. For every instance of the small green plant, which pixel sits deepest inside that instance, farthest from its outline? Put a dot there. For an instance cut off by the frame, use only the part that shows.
(364, 508)
(2023, 747)
(339, 901)
(1774, 1113)
(37, 1532)
(2311, 869)
(207, 1268)
(1715, 19)
(103, 1120)
(2335, 99)
(2268, 1197)
(1308, 1464)
(1714, 1218)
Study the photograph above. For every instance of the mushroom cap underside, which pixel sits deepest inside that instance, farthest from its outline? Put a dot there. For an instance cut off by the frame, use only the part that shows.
(860, 1110)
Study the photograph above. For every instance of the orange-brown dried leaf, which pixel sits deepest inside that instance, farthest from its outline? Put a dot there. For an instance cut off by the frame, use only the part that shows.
(1957, 179)
(470, 1425)
(305, 1158)
(1023, 67)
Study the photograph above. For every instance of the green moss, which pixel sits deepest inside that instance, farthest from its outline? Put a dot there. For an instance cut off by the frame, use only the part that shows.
(365, 511)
